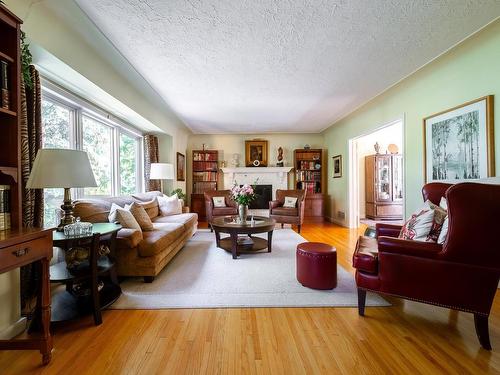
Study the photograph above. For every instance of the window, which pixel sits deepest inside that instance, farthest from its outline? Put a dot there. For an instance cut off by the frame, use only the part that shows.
(56, 133)
(128, 164)
(114, 148)
(97, 143)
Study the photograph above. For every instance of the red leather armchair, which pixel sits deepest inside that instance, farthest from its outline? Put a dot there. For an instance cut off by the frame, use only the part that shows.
(461, 274)
(286, 215)
(211, 211)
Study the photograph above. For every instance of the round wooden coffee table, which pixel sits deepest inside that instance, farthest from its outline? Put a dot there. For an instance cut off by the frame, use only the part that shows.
(240, 240)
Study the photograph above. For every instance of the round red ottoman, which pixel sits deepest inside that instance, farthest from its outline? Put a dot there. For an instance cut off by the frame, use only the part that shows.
(317, 265)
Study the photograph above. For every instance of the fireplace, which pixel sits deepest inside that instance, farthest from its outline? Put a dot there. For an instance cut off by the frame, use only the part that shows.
(264, 195)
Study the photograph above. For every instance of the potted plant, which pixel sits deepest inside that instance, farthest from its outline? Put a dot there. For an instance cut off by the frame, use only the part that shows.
(243, 195)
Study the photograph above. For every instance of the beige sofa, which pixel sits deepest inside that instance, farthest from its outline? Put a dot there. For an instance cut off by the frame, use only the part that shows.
(142, 255)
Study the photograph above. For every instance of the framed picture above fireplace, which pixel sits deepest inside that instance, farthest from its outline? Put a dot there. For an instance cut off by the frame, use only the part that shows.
(256, 153)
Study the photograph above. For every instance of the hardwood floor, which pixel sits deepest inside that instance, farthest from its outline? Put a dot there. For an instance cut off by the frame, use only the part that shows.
(407, 338)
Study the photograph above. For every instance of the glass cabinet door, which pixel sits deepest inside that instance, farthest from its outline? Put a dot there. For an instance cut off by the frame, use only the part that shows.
(383, 170)
(397, 190)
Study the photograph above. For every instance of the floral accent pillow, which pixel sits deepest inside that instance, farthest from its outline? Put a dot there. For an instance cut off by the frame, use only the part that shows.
(418, 226)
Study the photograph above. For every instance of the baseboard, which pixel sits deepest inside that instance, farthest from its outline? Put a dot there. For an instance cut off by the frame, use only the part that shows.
(14, 329)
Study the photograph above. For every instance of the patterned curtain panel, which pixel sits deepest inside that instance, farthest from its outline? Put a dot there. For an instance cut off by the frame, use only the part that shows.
(151, 155)
(31, 142)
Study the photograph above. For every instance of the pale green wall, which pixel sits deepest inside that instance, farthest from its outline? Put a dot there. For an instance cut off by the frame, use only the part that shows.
(469, 71)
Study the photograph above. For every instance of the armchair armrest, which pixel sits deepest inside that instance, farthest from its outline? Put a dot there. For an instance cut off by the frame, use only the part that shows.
(273, 204)
(405, 247)
(387, 230)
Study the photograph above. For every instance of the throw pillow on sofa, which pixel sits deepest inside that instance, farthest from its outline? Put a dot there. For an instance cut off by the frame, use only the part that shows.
(124, 217)
(169, 205)
(418, 227)
(141, 216)
(219, 201)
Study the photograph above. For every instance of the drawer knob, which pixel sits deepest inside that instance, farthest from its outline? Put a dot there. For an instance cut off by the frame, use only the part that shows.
(21, 252)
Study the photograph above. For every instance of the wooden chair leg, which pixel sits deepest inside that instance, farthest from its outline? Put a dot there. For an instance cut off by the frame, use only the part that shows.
(361, 301)
(481, 324)
(299, 226)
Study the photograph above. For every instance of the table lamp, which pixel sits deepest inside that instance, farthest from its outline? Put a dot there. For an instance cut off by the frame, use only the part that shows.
(161, 171)
(62, 168)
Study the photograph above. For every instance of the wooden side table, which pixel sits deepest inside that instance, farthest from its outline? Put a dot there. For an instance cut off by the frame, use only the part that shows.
(66, 305)
(19, 248)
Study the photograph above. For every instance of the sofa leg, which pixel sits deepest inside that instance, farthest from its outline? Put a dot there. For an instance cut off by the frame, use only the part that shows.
(481, 324)
(282, 225)
(149, 279)
(361, 301)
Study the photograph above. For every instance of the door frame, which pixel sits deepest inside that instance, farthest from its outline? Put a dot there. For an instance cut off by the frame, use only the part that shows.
(353, 162)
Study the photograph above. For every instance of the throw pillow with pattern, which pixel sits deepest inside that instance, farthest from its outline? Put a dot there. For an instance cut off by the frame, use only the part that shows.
(123, 216)
(290, 202)
(141, 216)
(219, 201)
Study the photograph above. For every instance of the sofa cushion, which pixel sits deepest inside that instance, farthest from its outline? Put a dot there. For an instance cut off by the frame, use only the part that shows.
(123, 216)
(157, 240)
(365, 256)
(92, 210)
(127, 238)
(151, 208)
(285, 211)
(188, 219)
(147, 197)
(141, 216)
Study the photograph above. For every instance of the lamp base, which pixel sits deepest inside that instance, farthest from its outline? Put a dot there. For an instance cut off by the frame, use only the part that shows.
(67, 208)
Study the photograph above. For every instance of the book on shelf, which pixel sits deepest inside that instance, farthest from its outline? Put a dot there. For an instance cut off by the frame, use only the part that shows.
(4, 85)
(204, 156)
(204, 176)
(308, 165)
(310, 187)
(4, 207)
(199, 187)
(201, 166)
(308, 175)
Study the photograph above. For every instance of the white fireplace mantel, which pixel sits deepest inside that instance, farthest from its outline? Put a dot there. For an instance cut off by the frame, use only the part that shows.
(275, 176)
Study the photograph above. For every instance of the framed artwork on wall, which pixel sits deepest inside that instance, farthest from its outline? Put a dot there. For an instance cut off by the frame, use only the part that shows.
(181, 167)
(337, 166)
(459, 143)
(256, 153)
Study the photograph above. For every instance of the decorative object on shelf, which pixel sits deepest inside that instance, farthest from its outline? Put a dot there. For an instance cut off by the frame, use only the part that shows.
(337, 166)
(317, 166)
(180, 194)
(376, 146)
(223, 164)
(459, 142)
(307, 146)
(161, 171)
(243, 195)
(280, 162)
(256, 150)
(62, 168)
(78, 229)
(393, 149)
(256, 163)
(235, 161)
(4, 207)
(181, 167)
(77, 254)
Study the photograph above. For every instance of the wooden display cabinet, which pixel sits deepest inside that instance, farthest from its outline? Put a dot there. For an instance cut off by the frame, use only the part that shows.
(384, 187)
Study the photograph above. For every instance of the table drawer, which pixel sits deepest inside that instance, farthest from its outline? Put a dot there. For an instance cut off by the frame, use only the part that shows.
(25, 252)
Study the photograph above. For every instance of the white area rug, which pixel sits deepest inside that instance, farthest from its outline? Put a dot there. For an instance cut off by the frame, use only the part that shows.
(204, 276)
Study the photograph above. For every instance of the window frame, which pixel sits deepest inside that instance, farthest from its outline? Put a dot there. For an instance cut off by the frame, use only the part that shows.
(79, 108)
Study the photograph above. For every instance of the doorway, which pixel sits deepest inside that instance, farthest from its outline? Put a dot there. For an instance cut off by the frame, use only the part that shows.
(376, 178)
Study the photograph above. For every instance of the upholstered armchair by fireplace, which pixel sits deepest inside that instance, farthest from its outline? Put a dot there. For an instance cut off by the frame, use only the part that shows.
(231, 208)
(460, 274)
(288, 215)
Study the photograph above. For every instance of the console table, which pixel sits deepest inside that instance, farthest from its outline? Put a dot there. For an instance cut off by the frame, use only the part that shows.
(19, 248)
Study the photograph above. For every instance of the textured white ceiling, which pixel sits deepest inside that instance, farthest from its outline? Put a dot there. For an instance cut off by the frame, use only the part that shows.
(228, 66)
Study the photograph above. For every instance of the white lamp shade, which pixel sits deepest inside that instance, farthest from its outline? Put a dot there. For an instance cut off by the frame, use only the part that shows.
(61, 168)
(161, 171)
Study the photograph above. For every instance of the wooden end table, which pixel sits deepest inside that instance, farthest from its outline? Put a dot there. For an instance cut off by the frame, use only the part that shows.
(240, 240)
(66, 305)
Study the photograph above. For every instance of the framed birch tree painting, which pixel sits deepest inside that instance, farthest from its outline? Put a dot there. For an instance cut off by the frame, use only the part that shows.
(459, 143)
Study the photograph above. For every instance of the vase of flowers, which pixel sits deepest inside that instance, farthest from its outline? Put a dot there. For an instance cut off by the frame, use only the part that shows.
(242, 195)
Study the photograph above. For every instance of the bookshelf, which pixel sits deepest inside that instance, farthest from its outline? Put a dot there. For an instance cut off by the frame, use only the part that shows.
(205, 177)
(309, 174)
